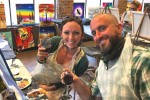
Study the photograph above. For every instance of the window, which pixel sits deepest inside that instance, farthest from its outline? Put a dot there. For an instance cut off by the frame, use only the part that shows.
(7, 11)
(36, 7)
(13, 8)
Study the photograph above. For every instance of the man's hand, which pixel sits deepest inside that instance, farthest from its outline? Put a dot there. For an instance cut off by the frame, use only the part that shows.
(83, 91)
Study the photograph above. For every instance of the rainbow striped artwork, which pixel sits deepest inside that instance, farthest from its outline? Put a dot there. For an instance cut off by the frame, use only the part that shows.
(46, 14)
(109, 4)
(78, 10)
(46, 31)
(2, 17)
(25, 14)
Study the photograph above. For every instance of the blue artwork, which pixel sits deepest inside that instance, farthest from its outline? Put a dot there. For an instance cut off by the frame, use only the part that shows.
(92, 11)
(78, 10)
(47, 31)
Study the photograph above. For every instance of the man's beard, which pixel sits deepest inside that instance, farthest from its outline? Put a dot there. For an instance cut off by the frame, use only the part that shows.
(112, 42)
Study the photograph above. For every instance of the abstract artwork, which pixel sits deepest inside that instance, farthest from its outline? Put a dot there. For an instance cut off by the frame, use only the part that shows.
(78, 10)
(24, 38)
(2, 17)
(92, 11)
(148, 6)
(7, 36)
(46, 14)
(109, 4)
(46, 31)
(25, 14)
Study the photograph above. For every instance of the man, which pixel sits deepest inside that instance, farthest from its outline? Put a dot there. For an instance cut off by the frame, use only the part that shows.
(124, 69)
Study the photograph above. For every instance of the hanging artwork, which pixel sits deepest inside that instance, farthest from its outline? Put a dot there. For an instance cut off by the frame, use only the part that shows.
(2, 17)
(128, 5)
(24, 38)
(109, 4)
(25, 14)
(7, 36)
(78, 10)
(148, 6)
(46, 31)
(46, 14)
(92, 11)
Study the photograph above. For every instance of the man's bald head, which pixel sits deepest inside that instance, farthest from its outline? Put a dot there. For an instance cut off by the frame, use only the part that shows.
(106, 31)
(107, 17)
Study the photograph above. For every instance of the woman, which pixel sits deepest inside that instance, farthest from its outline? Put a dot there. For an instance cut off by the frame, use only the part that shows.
(126, 17)
(65, 52)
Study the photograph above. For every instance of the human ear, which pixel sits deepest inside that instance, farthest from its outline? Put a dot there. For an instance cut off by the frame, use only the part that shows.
(60, 33)
(119, 27)
(83, 35)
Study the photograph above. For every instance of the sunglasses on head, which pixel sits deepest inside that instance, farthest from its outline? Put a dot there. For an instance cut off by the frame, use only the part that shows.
(67, 17)
(133, 9)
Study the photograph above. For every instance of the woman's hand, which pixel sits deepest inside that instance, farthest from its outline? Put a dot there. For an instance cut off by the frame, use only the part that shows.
(41, 54)
(75, 78)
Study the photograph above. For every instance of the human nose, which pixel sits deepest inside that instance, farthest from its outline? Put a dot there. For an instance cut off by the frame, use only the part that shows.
(71, 36)
(98, 34)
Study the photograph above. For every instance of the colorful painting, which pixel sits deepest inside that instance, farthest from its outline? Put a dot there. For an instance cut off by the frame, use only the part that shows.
(47, 31)
(128, 6)
(2, 17)
(7, 36)
(78, 10)
(92, 11)
(46, 14)
(25, 14)
(24, 38)
(109, 4)
(147, 5)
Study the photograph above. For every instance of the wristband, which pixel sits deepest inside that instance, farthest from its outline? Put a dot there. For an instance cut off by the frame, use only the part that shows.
(53, 87)
(41, 61)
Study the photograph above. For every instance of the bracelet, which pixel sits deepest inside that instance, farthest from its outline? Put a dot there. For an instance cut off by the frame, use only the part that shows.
(53, 87)
(41, 61)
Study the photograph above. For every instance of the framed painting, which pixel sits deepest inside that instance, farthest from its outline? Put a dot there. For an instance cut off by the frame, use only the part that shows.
(24, 38)
(148, 6)
(2, 17)
(109, 4)
(78, 10)
(48, 31)
(7, 36)
(46, 14)
(92, 11)
(25, 14)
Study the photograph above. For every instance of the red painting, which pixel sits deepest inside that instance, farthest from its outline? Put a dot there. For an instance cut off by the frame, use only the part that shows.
(24, 38)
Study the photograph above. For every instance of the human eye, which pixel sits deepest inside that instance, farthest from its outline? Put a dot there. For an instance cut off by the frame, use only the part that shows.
(94, 33)
(102, 28)
(76, 33)
(66, 32)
